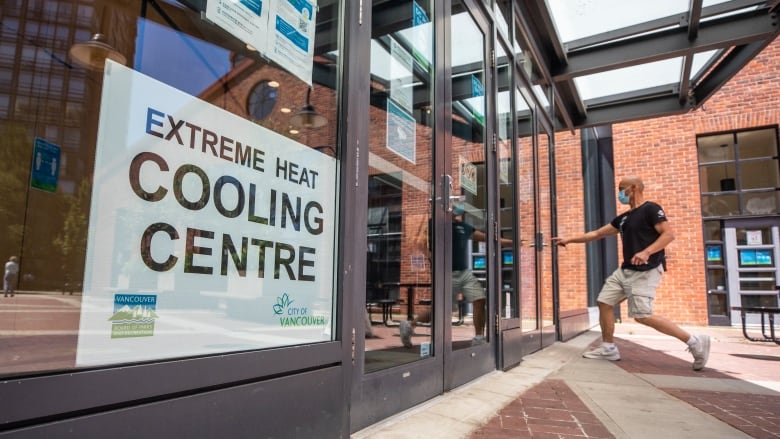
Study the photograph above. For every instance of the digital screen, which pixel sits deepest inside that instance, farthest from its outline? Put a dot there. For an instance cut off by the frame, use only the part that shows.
(479, 262)
(714, 253)
(747, 257)
(764, 257)
(507, 258)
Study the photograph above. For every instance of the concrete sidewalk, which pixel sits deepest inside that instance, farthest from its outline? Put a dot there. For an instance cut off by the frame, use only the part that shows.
(652, 392)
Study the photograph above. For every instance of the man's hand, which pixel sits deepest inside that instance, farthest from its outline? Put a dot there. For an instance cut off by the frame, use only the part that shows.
(560, 241)
(640, 258)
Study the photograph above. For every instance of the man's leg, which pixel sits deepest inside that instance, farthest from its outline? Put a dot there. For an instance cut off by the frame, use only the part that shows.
(607, 322)
(665, 326)
(640, 307)
(479, 317)
(406, 328)
(611, 293)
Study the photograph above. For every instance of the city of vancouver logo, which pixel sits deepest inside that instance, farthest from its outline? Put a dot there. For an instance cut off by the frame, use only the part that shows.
(290, 316)
(134, 315)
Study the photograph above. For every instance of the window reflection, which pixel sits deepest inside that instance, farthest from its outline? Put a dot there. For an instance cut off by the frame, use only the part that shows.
(399, 291)
(47, 96)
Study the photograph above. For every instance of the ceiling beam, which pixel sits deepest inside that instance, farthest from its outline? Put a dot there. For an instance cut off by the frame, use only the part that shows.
(525, 13)
(637, 110)
(675, 20)
(719, 34)
(731, 64)
(694, 19)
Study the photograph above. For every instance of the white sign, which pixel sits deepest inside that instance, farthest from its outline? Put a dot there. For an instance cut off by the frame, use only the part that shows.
(401, 132)
(401, 68)
(246, 20)
(754, 237)
(281, 30)
(207, 233)
(468, 175)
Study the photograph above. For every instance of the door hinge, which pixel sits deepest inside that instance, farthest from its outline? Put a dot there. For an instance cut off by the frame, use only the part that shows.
(353, 346)
(492, 58)
(498, 322)
(495, 230)
(495, 143)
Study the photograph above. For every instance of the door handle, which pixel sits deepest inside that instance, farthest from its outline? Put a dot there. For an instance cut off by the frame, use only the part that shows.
(448, 200)
(446, 189)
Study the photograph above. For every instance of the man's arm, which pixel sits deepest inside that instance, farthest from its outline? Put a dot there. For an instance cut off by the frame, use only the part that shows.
(479, 235)
(602, 232)
(666, 236)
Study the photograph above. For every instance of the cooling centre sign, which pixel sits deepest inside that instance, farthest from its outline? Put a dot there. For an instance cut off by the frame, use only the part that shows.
(207, 232)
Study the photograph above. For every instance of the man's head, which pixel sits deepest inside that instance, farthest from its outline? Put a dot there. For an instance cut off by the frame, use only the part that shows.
(630, 188)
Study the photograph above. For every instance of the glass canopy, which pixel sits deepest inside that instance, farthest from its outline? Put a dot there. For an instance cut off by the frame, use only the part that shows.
(612, 60)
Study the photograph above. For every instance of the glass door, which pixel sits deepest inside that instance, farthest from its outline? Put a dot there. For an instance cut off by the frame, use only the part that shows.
(752, 251)
(472, 262)
(544, 234)
(400, 356)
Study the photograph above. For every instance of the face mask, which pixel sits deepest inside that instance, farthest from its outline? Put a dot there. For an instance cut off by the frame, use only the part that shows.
(623, 198)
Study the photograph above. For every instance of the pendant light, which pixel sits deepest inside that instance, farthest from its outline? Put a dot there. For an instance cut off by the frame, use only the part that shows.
(92, 54)
(307, 116)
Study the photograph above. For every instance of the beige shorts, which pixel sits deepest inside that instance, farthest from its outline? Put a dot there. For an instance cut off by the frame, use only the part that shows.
(466, 283)
(636, 286)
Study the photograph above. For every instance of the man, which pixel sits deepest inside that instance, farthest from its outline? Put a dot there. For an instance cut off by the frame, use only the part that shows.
(644, 232)
(9, 278)
(463, 280)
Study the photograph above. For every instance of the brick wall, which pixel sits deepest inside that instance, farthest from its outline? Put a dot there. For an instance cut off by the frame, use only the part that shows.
(663, 152)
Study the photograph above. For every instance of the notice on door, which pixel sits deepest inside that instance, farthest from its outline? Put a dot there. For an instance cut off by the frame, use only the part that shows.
(280, 30)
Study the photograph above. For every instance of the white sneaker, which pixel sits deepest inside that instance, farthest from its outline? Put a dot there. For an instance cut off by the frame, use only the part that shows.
(701, 352)
(603, 353)
(478, 340)
(405, 329)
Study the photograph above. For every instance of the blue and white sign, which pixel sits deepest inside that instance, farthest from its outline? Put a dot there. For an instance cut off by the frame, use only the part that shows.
(45, 165)
(281, 30)
(401, 132)
(476, 87)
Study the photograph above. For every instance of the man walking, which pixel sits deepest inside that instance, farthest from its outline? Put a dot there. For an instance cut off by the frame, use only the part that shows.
(9, 278)
(644, 232)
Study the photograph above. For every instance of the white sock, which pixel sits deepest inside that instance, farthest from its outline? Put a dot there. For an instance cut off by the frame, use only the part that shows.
(693, 341)
(609, 346)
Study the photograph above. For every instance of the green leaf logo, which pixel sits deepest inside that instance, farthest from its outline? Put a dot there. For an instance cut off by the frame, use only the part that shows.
(282, 303)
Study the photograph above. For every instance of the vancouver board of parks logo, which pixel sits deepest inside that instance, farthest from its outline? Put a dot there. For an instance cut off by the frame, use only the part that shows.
(290, 315)
(134, 315)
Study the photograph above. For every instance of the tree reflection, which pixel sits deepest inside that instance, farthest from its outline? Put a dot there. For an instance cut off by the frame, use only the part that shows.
(16, 149)
(71, 241)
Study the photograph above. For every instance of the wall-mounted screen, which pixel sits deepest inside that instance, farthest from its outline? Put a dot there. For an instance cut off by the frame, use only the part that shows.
(714, 253)
(764, 257)
(507, 258)
(479, 262)
(755, 257)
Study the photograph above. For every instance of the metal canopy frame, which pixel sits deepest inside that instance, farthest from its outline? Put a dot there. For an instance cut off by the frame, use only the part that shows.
(737, 30)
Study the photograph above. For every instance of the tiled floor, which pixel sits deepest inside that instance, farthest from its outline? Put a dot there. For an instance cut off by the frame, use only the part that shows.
(756, 415)
(552, 410)
(548, 410)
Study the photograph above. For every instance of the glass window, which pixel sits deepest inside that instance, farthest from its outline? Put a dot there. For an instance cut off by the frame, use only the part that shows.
(150, 213)
(525, 187)
(510, 295)
(739, 173)
(757, 143)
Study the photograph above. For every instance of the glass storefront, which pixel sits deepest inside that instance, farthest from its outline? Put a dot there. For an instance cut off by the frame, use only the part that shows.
(170, 179)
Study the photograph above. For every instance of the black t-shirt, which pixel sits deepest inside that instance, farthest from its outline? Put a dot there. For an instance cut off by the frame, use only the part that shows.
(637, 231)
(461, 233)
